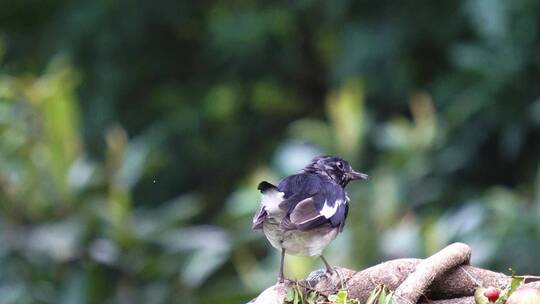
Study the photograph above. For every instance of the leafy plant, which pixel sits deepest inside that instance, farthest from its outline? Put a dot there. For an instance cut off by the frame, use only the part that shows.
(380, 295)
(295, 295)
(341, 297)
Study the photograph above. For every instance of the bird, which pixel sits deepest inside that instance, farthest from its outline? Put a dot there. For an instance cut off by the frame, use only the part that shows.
(307, 210)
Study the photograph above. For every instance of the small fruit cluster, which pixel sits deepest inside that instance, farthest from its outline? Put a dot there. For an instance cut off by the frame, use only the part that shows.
(492, 294)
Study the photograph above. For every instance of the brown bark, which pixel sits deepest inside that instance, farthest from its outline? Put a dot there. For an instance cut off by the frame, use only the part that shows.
(425, 272)
(440, 279)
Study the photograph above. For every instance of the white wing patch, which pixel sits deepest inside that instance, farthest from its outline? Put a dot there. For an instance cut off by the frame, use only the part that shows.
(328, 211)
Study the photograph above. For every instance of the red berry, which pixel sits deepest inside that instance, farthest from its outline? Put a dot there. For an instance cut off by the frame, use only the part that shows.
(492, 294)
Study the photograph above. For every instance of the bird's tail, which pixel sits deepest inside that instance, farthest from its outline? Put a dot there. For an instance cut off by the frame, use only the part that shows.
(265, 186)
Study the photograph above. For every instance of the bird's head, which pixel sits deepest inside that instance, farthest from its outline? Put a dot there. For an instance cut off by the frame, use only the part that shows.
(335, 168)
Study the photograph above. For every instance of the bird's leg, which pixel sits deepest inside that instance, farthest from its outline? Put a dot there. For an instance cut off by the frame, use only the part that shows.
(329, 269)
(281, 277)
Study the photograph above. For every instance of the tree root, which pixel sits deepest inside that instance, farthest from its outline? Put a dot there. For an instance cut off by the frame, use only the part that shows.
(443, 278)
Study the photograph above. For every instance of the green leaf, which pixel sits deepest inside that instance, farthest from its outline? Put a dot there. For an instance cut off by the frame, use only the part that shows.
(311, 297)
(386, 296)
(300, 294)
(380, 295)
(290, 295)
(389, 298)
(341, 297)
(374, 295)
(296, 297)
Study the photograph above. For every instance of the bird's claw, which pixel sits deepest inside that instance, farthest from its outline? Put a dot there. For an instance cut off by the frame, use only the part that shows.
(316, 275)
(283, 280)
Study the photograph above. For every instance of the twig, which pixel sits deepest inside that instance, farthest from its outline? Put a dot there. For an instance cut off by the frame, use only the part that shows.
(524, 277)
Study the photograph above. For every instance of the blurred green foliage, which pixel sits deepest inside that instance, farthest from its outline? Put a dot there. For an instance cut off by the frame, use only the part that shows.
(132, 137)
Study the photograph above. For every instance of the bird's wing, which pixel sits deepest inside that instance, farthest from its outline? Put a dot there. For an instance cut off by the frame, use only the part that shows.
(305, 216)
(339, 209)
(297, 188)
(315, 203)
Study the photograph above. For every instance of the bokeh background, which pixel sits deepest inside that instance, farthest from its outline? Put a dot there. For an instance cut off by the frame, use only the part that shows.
(133, 135)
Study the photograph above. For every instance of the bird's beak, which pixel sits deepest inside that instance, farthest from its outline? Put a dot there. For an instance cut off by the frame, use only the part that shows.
(357, 175)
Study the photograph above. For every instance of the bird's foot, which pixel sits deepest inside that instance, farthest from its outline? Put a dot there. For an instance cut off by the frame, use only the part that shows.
(284, 280)
(330, 271)
(329, 268)
(317, 275)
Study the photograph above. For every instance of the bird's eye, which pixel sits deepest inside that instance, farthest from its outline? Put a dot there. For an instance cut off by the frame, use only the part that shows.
(339, 165)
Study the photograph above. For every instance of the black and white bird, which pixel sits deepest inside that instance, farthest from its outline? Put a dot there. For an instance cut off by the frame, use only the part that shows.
(306, 211)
